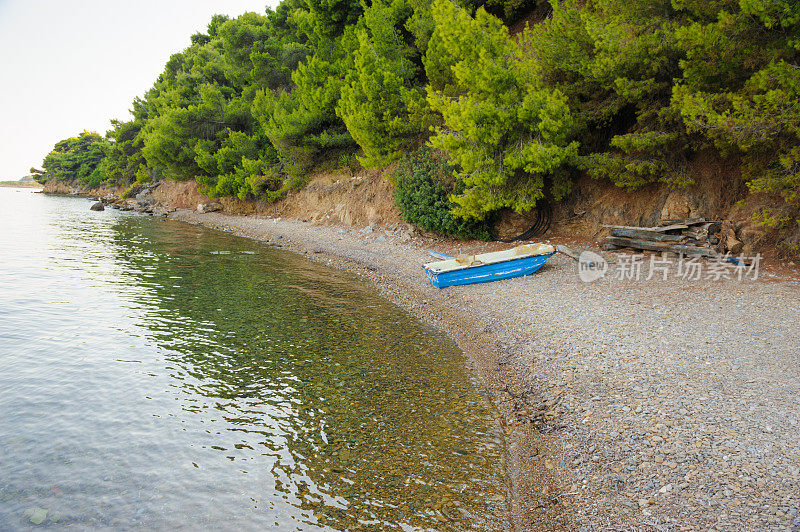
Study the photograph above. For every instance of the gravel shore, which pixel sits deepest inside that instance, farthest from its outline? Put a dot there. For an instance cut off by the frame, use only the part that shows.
(629, 404)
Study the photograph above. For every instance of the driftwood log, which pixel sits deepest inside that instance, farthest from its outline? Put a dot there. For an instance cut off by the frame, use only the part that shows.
(690, 221)
(646, 234)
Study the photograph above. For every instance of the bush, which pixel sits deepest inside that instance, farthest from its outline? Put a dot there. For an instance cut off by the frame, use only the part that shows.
(424, 184)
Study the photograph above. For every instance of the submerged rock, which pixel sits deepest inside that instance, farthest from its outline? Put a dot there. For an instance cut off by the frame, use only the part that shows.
(36, 516)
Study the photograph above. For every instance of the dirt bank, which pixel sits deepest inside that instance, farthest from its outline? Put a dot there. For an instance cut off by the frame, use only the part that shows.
(358, 199)
(60, 188)
(630, 404)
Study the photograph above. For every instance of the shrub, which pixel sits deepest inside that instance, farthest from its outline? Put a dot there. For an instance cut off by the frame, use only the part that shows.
(424, 185)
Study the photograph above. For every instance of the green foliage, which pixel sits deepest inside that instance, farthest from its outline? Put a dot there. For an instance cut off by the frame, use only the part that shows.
(383, 108)
(424, 185)
(235, 164)
(302, 123)
(624, 90)
(650, 82)
(124, 163)
(746, 97)
(201, 113)
(76, 159)
(615, 61)
(324, 20)
(504, 129)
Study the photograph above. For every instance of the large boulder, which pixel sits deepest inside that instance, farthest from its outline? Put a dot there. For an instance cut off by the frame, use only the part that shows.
(208, 207)
(97, 206)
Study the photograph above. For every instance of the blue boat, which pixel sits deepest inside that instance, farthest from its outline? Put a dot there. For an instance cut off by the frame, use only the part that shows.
(486, 267)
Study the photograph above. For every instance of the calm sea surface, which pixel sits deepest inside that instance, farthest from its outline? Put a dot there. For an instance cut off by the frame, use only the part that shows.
(156, 375)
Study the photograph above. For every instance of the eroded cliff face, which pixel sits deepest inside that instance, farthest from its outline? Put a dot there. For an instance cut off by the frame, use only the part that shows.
(363, 198)
(718, 193)
(58, 187)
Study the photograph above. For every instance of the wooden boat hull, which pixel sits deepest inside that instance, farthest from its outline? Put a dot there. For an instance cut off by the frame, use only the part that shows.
(485, 273)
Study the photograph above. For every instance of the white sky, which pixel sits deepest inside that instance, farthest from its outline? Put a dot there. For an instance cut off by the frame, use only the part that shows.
(70, 65)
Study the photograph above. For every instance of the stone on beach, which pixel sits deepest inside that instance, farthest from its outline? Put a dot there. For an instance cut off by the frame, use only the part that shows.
(208, 207)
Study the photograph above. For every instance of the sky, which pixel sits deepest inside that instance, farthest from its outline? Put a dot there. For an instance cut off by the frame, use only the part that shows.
(70, 65)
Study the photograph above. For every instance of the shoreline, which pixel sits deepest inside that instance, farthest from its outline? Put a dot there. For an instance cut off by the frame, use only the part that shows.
(20, 184)
(407, 287)
(619, 407)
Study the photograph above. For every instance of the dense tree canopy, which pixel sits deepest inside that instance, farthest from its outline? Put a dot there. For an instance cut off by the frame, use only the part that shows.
(624, 90)
(506, 131)
(76, 159)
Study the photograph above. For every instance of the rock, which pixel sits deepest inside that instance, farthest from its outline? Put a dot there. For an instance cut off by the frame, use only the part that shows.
(728, 242)
(368, 229)
(37, 516)
(162, 210)
(97, 206)
(676, 206)
(208, 207)
(347, 217)
(405, 236)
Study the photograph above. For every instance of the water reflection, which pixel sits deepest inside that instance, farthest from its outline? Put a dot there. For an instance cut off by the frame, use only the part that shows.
(362, 416)
(189, 379)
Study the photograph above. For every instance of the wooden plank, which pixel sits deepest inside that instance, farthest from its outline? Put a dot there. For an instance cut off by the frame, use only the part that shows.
(673, 227)
(607, 226)
(658, 229)
(644, 234)
(688, 221)
(660, 246)
(697, 233)
(569, 252)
